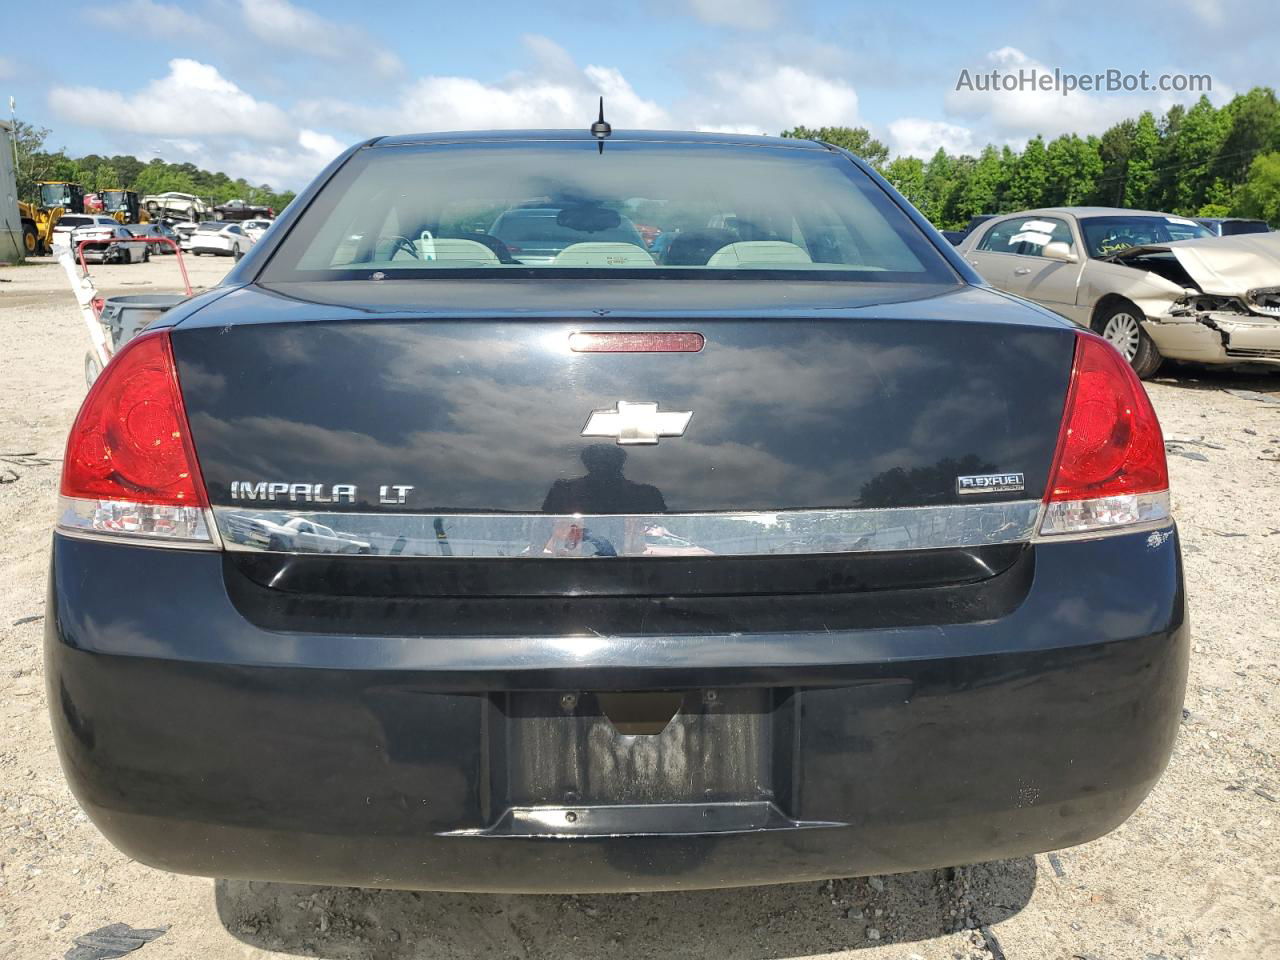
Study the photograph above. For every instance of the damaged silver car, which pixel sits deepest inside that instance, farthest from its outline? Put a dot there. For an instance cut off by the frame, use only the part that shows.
(1157, 286)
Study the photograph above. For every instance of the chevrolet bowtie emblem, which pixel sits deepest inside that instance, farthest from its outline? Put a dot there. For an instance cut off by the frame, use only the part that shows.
(636, 423)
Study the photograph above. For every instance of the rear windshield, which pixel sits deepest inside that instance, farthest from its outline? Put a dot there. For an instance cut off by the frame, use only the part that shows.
(74, 221)
(1231, 228)
(1107, 235)
(643, 210)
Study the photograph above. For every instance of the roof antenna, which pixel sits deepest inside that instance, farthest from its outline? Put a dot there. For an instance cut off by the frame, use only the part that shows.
(601, 129)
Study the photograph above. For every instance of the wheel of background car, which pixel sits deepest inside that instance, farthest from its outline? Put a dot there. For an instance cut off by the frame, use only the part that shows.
(276, 543)
(237, 252)
(1121, 326)
(91, 369)
(146, 254)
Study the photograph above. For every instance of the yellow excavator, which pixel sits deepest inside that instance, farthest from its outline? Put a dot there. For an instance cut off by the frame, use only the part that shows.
(61, 193)
(124, 206)
(38, 219)
(37, 227)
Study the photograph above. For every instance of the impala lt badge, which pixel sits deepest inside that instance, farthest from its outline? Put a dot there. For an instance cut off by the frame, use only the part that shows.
(635, 423)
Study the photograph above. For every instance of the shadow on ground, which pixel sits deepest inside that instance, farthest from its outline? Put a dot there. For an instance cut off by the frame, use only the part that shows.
(752, 923)
(1256, 378)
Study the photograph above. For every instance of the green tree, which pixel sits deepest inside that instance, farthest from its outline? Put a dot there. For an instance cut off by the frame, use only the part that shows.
(1030, 176)
(1259, 196)
(985, 186)
(1114, 147)
(857, 140)
(1253, 120)
(907, 176)
(938, 173)
(1192, 141)
(1073, 166)
(1140, 176)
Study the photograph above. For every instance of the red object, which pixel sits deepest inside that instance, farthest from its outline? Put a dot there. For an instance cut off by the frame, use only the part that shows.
(131, 440)
(1111, 441)
(84, 267)
(636, 342)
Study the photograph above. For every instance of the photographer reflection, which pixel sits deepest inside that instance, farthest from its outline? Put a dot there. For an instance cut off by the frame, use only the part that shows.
(603, 491)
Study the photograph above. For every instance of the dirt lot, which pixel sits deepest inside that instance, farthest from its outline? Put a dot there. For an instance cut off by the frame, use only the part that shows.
(1194, 874)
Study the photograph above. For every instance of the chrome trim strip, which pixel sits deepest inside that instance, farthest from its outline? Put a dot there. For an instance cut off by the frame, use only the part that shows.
(627, 535)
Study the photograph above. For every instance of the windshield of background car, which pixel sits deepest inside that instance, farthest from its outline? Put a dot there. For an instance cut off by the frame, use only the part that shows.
(1107, 235)
(639, 209)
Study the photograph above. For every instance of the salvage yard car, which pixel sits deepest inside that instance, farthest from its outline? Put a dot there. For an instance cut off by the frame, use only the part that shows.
(156, 230)
(796, 553)
(110, 244)
(1156, 286)
(218, 238)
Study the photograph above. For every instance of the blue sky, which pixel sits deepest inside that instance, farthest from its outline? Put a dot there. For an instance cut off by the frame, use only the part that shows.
(271, 89)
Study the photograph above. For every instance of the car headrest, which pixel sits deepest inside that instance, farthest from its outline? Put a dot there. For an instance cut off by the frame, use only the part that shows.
(601, 254)
(748, 253)
(694, 247)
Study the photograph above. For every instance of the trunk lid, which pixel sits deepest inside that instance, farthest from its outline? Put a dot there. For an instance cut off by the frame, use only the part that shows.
(793, 405)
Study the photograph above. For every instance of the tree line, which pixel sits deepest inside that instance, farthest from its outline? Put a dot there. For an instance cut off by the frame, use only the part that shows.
(95, 173)
(1202, 161)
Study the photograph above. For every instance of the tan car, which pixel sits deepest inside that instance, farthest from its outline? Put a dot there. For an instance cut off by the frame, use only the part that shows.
(1155, 285)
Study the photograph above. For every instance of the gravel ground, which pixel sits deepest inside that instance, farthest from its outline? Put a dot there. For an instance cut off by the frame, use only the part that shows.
(1195, 873)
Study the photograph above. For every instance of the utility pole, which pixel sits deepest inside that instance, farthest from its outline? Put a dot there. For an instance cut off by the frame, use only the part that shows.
(13, 123)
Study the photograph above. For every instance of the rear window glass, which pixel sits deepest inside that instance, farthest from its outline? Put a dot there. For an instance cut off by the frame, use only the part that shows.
(651, 210)
(1231, 228)
(74, 221)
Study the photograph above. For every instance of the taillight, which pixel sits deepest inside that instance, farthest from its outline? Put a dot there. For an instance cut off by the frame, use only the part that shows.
(1109, 470)
(130, 469)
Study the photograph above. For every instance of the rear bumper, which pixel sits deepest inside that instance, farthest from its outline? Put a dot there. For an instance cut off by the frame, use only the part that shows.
(200, 743)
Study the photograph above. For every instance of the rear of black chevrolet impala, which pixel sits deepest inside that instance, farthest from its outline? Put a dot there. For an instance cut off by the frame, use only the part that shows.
(736, 534)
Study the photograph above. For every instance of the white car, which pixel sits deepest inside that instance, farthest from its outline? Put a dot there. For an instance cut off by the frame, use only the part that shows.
(296, 533)
(109, 244)
(68, 223)
(219, 238)
(254, 229)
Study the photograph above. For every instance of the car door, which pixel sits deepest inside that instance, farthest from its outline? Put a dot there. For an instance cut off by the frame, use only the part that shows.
(990, 250)
(1050, 282)
(306, 538)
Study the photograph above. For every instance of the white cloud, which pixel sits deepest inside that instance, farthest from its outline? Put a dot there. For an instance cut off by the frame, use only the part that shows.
(922, 138)
(557, 94)
(286, 165)
(7, 68)
(195, 112)
(744, 14)
(279, 23)
(1209, 12)
(771, 100)
(192, 100)
(154, 19)
(1015, 115)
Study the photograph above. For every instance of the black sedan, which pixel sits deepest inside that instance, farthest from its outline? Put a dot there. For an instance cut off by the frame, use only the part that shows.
(781, 549)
